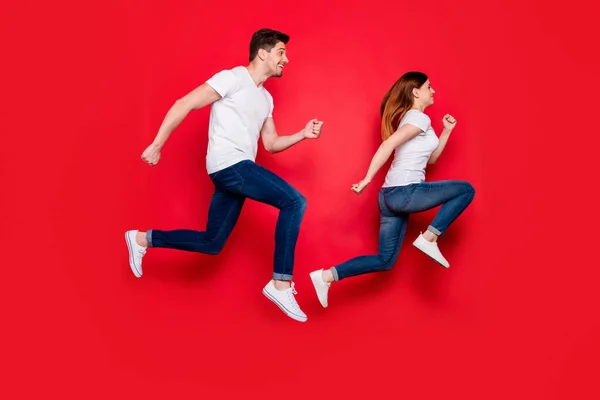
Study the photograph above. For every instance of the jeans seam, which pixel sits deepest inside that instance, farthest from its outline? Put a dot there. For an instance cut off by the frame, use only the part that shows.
(223, 225)
(287, 243)
(234, 169)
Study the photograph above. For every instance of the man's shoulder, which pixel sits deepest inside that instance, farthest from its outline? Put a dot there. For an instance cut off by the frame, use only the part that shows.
(234, 72)
(238, 71)
(267, 93)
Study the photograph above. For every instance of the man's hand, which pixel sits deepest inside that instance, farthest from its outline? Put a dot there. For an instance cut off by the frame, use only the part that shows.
(313, 129)
(151, 155)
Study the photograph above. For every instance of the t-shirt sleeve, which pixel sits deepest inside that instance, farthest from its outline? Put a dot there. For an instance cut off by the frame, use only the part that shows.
(271, 107)
(224, 82)
(418, 119)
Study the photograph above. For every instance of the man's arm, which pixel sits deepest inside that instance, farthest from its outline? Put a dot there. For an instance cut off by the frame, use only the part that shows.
(198, 98)
(274, 143)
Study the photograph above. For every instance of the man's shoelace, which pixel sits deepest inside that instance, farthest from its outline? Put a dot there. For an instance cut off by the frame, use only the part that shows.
(291, 292)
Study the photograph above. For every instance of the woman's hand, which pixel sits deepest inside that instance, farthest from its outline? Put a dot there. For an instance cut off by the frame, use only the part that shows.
(360, 186)
(449, 122)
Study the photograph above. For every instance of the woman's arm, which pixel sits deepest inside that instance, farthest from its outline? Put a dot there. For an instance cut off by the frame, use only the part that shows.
(401, 136)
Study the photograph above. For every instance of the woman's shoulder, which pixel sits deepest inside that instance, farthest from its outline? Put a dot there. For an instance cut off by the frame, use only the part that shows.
(417, 118)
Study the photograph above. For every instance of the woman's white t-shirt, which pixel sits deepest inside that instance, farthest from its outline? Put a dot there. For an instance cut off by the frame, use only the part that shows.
(410, 158)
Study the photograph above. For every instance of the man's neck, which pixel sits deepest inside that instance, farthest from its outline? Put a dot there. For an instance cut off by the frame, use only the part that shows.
(258, 76)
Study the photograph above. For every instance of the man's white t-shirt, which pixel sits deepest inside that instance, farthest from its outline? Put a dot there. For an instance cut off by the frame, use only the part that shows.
(236, 119)
(410, 159)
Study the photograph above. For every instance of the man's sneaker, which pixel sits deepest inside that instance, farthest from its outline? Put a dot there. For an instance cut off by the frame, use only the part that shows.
(285, 300)
(136, 252)
(431, 249)
(321, 287)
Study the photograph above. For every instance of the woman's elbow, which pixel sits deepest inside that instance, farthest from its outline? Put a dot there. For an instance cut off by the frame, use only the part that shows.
(386, 148)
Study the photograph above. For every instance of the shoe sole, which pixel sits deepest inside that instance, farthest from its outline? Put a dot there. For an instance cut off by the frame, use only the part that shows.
(314, 282)
(424, 252)
(131, 263)
(282, 308)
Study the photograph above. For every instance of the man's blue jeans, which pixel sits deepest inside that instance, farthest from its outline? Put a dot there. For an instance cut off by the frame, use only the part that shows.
(233, 185)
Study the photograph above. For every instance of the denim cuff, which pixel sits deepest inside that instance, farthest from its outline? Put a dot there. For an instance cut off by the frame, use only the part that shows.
(282, 277)
(434, 230)
(336, 277)
(149, 237)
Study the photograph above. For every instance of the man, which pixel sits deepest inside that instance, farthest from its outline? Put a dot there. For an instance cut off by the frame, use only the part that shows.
(241, 111)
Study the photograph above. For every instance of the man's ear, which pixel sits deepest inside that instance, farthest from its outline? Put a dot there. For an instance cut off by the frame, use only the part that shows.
(262, 54)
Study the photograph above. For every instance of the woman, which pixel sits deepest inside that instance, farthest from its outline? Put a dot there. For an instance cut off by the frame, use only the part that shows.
(407, 131)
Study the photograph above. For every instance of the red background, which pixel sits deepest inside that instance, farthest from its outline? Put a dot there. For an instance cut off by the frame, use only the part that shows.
(85, 87)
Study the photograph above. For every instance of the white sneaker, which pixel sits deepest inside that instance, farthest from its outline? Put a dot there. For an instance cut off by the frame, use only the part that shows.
(285, 300)
(136, 252)
(431, 249)
(321, 287)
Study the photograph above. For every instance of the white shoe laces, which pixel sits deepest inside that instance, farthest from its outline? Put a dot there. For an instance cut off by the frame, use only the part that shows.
(141, 252)
(291, 292)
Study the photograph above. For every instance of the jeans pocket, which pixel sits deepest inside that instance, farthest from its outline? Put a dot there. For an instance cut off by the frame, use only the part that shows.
(228, 179)
(386, 191)
(398, 197)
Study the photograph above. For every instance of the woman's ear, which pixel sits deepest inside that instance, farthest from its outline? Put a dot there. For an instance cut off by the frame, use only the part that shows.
(415, 93)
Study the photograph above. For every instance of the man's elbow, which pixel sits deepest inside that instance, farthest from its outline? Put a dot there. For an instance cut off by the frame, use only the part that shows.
(184, 103)
(269, 148)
